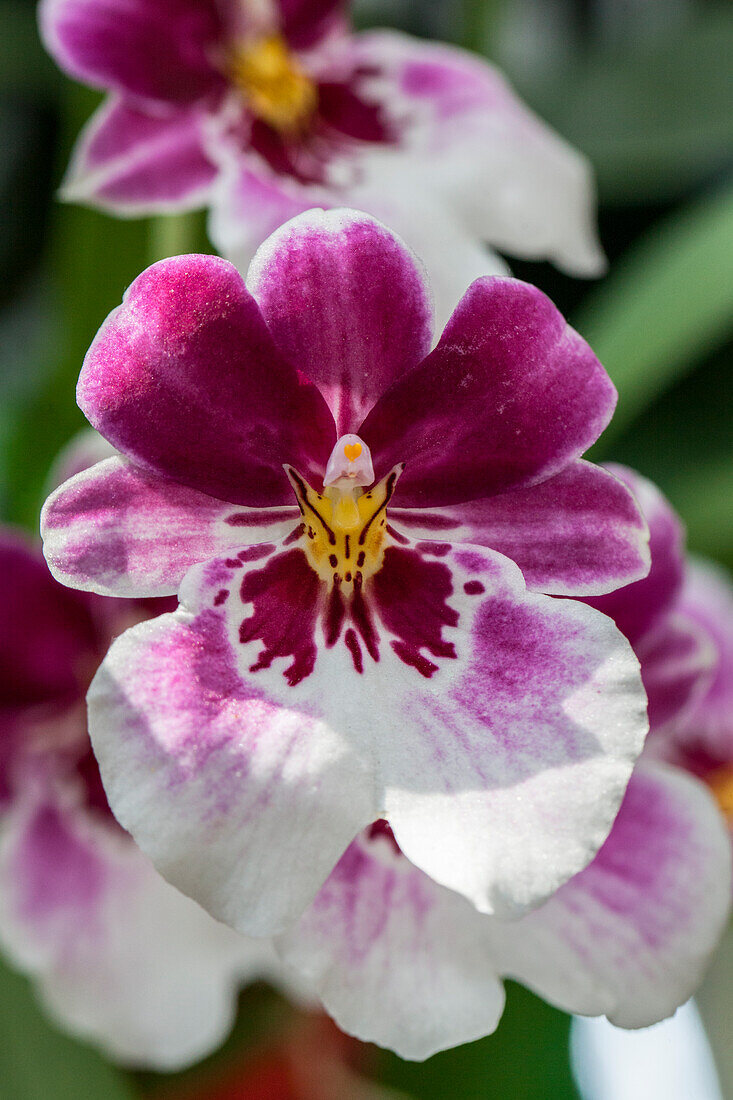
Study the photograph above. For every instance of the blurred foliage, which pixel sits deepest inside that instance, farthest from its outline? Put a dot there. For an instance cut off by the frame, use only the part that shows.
(38, 1062)
(652, 105)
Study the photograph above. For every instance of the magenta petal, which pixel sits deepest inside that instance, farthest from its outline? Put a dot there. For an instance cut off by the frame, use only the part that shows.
(707, 599)
(576, 533)
(132, 161)
(346, 302)
(639, 606)
(305, 22)
(677, 664)
(510, 395)
(184, 378)
(120, 530)
(156, 49)
(47, 631)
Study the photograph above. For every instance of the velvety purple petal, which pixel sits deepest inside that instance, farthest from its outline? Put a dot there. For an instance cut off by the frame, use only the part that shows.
(396, 959)
(346, 303)
(241, 803)
(579, 532)
(510, 396)
(132, 162)
(639, 606)
(48, 634)
(155, 49)
(512, 181)
(678, 660)
(631, 935)
(120, 530)
(120, 957)
(707, 599)
(185, 379)
(305, 22)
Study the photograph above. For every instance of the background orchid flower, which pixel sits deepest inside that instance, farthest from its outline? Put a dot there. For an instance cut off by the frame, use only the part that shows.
(680, 621)
(329, 665)
(119, 956)
(262, 110)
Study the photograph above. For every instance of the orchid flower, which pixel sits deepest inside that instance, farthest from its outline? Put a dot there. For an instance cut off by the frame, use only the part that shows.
(680, 622)
(628, 937)
(295, 461)
(262, 109)
(119, 956)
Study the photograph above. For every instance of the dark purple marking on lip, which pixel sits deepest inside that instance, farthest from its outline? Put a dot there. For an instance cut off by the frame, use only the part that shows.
(396, 535)
(411, 596)
(352, 644)
(335, 612)
(233, 563)
(220, 597)
(473, 588)
(382, 830)
(256, 519)
(254, 553)
(362, 619)
(294, 535)
(286, 597)
(437, 549)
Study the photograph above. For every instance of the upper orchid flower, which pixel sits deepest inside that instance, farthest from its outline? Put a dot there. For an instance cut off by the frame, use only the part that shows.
(119, 955)
(334, 659)
(262, 109)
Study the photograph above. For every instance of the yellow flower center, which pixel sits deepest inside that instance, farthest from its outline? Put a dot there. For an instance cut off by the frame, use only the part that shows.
(345, 527)
(276, 89)
(721, 784)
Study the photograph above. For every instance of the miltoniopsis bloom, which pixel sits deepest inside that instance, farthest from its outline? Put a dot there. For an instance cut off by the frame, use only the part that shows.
(262, 109)
(680, 621)
(629, 937)
(296, 459)
(119, 956)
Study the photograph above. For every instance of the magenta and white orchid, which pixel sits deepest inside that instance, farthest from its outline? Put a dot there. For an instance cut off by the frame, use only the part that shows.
(119, 956)
(261, 109)
(346, 652)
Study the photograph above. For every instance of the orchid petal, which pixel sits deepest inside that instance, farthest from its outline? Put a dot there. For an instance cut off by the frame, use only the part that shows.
(347, 302)
(130, 161)
(510, 396)
(631, 935)
(121, 957)
(512, 180)
(154, 49)
(577, 533)
(381, 939)
(120, 530)
(184, 378)
(637, 607)
(305, 22)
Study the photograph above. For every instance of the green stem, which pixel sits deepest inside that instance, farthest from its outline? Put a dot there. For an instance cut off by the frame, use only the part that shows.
(176, 234)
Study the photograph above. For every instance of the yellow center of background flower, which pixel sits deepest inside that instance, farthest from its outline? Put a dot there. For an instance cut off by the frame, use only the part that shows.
(721, 784)
(276, 89)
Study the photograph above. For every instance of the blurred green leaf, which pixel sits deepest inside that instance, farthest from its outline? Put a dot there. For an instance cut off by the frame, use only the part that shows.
(655, 116)
(665, 305)
(703, 495)
(526, 1059)
(24, 65)
(37, 1062)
